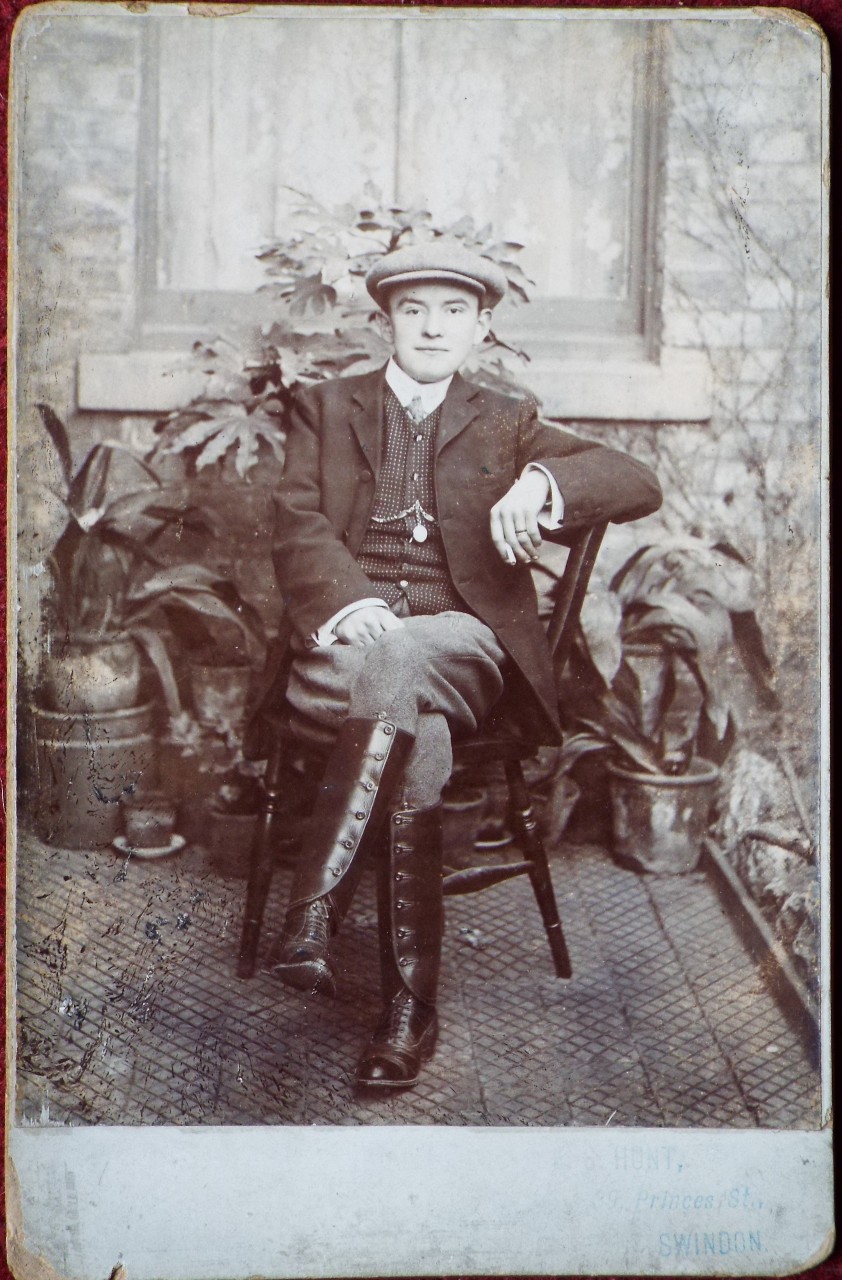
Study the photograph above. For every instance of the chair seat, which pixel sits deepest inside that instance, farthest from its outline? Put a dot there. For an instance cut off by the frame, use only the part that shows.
(486, 748)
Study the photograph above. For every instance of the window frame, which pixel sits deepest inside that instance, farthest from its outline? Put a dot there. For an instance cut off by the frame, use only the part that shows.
(552, 328)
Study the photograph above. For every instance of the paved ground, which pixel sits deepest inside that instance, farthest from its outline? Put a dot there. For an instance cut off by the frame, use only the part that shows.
(130, 1013)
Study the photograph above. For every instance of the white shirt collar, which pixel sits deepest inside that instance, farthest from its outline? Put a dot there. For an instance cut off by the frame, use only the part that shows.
(405, 388)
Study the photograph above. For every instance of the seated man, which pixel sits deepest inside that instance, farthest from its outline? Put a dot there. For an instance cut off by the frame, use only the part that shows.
(409, 513)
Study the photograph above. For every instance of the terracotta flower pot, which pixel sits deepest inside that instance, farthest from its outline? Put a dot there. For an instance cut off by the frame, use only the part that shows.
(659, 820)
(229, 838)
(220, 693)
(149, 819)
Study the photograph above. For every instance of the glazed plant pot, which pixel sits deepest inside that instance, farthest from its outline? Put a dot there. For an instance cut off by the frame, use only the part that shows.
(85, 763)
(92, 674)
(659, 820)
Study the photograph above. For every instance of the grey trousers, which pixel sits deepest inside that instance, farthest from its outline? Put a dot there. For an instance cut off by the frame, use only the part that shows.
(437, 676)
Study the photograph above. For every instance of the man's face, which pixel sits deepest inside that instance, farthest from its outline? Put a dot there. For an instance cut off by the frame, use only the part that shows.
(434, 328)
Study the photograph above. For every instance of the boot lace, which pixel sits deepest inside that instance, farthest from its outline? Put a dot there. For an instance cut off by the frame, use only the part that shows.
(397, 1022)
(311, 924)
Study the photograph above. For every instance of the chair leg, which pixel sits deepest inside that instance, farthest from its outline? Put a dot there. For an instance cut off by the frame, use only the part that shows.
(523, 816)
(261, 865)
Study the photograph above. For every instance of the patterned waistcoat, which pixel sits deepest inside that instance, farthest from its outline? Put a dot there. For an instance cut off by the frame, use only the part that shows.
(405, 572)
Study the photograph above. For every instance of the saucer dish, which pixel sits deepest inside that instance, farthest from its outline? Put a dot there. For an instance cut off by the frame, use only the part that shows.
(176, 842)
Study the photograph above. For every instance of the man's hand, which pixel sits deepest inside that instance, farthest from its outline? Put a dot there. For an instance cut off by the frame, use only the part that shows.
(365, 626)
(514, 519)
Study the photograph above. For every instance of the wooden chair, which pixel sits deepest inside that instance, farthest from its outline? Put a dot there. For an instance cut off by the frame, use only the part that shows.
(482, 749)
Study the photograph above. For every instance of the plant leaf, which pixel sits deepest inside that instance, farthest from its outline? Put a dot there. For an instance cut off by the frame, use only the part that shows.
(311, 291)
(246, 455)
(748, 639)
(576, 746)
(600, 620)
(715, 712)
(191, 437)
(709, 626)
(134, 513)
(153, 644)
(58, 434)
(233, 430)
(87, 489)
(133, 547)
(189, 577)
(629, 743)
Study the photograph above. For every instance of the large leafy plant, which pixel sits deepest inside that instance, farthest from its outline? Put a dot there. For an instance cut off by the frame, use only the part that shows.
(654, 685)
(108, 579)
(322, 326)
(239, 409)
(318, 275)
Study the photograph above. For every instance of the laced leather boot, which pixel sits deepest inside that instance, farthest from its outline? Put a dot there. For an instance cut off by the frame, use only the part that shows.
(303, 961)
(364, 767)
(411, 917)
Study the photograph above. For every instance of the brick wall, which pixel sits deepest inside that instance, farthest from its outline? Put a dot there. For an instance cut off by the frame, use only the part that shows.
(77, 211)
(740, 253)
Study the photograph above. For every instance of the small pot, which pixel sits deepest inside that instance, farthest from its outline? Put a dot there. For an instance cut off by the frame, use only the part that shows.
(149, 820)
(659, 820)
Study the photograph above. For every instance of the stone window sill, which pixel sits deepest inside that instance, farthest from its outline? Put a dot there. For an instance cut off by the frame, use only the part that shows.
(676, 389)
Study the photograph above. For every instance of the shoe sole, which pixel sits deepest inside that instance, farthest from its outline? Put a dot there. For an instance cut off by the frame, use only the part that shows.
(314, 979)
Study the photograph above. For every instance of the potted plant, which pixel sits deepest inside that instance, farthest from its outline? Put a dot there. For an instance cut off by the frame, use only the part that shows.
(652, 689)
(113, 599)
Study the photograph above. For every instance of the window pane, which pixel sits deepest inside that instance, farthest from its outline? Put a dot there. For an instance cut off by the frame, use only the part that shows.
(250, 107)
(528, 124)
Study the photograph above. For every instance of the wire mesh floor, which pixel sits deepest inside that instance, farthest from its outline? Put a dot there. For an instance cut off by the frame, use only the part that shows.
(129, 1010)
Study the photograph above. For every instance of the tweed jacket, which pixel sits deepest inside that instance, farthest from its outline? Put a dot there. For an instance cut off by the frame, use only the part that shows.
(334, 451)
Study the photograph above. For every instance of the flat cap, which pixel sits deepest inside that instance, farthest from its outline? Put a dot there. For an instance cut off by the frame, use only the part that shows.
(438, 260)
